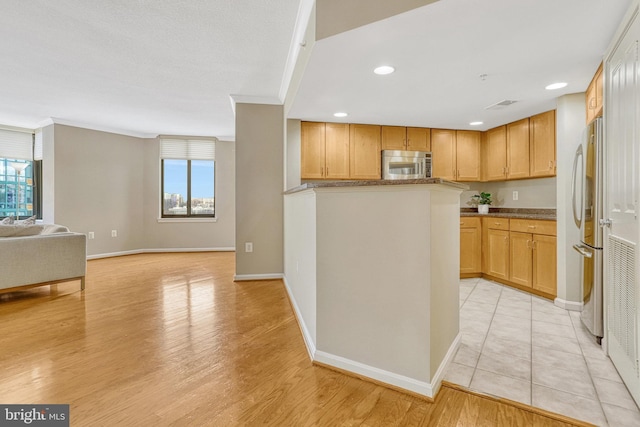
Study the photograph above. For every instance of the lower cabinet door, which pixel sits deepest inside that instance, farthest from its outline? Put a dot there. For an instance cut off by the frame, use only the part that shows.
(470, 250)
(520, 258)
(498, 254)
(544, 263)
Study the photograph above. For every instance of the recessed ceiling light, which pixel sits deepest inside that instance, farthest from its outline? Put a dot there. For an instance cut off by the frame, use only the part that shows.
(340, 114)
(385, 69)
(475, 123)
(555, 86)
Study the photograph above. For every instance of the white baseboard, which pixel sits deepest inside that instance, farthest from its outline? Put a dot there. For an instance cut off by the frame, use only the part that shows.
(420, 387)
(247, 277)
(568, 305)
(436, 380)
(306, 335)
(159, 250)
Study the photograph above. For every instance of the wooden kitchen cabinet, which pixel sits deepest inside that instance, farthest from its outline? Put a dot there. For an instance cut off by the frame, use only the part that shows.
(337, 151)
(533, 255)
(470, 247)
(518, 149)
(406, 138)
(394, 138)
(542, 139)
(468, 155)
(364, 151)
(495, 154)
(520, 258)
(324, 150)
(544, 264)
(495, 246)
(456, 154)
(594, 94)
(418, 139)
(443, 149)
(312, 149)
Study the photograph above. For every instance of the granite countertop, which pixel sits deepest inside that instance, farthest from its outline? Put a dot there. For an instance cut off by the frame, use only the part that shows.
(363, 183)
(523, 213)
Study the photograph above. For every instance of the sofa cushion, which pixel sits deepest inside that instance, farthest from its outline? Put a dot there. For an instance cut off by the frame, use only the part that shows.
(7, 220)
(19, 230)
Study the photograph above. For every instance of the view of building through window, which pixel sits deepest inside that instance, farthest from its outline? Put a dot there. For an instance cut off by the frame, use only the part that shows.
(16, 188)
(188, 187)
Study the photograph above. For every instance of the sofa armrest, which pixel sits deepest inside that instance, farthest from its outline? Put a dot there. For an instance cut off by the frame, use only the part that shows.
(43, 258)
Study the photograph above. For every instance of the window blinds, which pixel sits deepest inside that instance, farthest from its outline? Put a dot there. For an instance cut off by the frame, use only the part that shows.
(16, 145)
(188, 149)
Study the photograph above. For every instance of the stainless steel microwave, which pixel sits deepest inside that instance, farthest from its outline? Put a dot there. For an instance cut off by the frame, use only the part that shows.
(399, 164)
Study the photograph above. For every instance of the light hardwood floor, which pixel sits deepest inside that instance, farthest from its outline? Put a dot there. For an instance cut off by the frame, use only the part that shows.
(170, 339)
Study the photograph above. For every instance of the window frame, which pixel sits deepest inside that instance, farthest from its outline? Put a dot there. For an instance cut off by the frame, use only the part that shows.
(188, 215)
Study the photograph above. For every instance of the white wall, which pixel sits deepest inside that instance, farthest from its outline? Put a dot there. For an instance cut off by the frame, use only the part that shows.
(570, 122)
(260, 143)
(99, 187)
(300, 261)
(532, 193)
(99, 181)
(293, 150)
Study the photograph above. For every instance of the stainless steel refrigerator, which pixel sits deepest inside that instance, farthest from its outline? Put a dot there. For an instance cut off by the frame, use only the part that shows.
(587, 189)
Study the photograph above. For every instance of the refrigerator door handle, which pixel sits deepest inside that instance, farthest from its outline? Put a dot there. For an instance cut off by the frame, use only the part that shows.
(577, 220)
(581, 251)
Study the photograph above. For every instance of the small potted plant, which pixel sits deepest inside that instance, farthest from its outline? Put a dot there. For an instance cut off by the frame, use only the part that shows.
(483, 200)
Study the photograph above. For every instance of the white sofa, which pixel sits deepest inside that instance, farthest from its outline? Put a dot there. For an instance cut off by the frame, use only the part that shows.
(33, 255)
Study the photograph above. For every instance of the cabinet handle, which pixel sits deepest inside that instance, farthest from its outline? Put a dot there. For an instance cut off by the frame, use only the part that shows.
(533, 245)
(497, 223)
(531, 226)
(528, 246)
(592, 103)
(327, 172)
(461, 223)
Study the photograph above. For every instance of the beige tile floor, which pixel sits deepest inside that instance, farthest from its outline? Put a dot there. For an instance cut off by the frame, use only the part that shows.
(521, 347)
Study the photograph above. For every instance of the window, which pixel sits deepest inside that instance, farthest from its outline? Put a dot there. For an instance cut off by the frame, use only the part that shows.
(19, 175)
(188, 178)
(16, 188)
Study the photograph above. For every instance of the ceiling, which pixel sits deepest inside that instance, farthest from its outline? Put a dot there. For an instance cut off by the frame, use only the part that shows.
(441, 50)
(140, 66)
(148, 67)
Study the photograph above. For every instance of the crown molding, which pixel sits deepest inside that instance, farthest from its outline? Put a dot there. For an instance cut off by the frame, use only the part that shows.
(91, 126)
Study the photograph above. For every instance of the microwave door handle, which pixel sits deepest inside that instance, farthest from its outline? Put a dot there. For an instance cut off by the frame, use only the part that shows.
(577, 220)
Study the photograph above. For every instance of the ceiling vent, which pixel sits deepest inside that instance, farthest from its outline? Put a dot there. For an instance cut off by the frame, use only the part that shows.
(500, 105)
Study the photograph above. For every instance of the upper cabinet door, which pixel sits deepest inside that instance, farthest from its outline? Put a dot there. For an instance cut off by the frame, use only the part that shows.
(495, 154)
(365, 151)
(443, 148)
(337, 151)
(394, 138)
(418, 139)
(518, 149)
(542, 129)
(468, 155)
(312, 149)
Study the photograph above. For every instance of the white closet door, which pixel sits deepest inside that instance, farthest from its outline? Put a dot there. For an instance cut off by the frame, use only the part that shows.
(621, 254)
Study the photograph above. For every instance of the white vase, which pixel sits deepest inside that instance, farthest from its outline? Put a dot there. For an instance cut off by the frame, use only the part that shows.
(483, 209)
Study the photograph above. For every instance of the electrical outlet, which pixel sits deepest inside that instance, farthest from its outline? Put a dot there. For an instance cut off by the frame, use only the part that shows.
(248, 247)
(92, 235)
(515, 195)
(114, 233)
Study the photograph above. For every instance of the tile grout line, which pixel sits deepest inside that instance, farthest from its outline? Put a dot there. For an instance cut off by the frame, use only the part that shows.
(584, 358)
(475, 368)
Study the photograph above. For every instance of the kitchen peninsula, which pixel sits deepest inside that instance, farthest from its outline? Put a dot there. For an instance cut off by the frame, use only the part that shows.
(372, 268)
